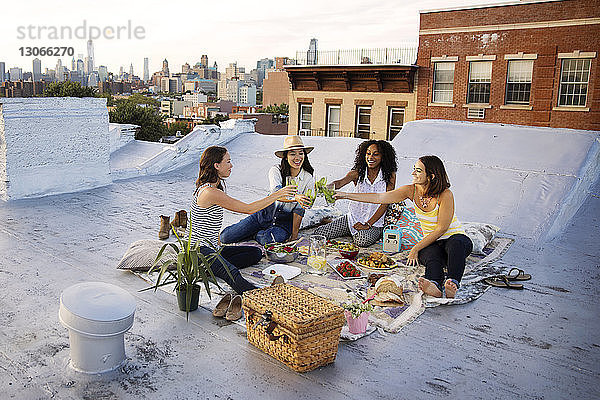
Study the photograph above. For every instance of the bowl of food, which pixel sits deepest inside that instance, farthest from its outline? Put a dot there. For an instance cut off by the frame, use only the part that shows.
(348, 250)
(280, 253)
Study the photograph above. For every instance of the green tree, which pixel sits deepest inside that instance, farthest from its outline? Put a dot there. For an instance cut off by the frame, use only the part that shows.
(282, 109)
(215, 120)
(149, 120)
(68, 89)
(179, 126)
(137, 98)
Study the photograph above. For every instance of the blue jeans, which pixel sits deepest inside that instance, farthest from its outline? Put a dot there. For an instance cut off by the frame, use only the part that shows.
(234, 258)
(269, 225)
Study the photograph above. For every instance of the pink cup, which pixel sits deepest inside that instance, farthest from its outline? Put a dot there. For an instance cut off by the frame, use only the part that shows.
(357, 325)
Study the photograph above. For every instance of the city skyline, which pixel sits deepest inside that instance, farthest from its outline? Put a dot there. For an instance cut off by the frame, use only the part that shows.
(245, 37)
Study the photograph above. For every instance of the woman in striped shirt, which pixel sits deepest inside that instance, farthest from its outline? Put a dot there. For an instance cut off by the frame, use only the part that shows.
(206, 216)
(444, 242)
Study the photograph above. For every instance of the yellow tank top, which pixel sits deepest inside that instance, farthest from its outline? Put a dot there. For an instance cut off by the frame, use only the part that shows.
(428, 220)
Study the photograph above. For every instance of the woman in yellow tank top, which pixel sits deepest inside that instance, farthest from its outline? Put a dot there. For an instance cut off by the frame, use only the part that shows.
(444, 242)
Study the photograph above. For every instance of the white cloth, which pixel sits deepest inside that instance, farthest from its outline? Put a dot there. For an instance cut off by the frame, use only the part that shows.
(361, 212)
(304, 179)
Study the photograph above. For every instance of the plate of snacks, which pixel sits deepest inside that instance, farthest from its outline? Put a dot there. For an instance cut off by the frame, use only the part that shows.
(377, 260)
(303, 250)
(346, 269)
(337, 244)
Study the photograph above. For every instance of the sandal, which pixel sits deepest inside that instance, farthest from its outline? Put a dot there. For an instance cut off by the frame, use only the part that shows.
(518, 275)
(503, 282)
(222, 306)
(234, 312)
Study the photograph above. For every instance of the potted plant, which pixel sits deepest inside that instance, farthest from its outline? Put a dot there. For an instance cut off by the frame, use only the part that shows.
(357, 316)
(192, 269)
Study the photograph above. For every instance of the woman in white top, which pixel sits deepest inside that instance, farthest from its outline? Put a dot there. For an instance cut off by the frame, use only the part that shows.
(374, 171)
(206, 216)
(444, 243)
(280, 221)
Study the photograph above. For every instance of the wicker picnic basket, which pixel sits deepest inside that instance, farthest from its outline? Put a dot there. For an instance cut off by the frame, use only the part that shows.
(300, 329)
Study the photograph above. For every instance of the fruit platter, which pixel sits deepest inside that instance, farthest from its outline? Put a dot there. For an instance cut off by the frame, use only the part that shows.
(346, 269)
(377, 260)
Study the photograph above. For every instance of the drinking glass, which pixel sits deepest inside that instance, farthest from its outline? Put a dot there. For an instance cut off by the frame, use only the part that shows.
(317, 256)
(291, 181)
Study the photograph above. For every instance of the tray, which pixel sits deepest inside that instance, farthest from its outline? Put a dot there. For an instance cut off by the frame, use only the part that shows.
(334, 263)
(396, 265)
(286, 271)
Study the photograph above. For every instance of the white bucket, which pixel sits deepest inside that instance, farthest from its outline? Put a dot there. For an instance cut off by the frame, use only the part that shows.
(97, 315)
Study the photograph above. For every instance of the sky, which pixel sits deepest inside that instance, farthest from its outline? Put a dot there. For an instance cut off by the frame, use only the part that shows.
(226, 31)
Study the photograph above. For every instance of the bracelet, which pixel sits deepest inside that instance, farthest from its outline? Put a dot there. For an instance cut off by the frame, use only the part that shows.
(368, 224)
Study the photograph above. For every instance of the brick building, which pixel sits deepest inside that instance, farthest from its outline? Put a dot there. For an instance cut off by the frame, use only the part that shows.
(522, 62)
(370, 101)
(276, 85)
(22, 89)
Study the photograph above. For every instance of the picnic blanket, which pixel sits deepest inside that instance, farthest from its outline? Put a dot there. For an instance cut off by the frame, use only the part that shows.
(390, 319)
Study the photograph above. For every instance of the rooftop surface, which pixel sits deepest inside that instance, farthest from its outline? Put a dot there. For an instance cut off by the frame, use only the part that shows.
(542, 342)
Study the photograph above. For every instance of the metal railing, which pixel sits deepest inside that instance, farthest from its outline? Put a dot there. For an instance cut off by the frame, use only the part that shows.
(322, 132)
(406, 56)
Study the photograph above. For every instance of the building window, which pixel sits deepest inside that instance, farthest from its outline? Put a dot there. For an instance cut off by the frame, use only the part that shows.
(574, 77)
(395, 122)
(333, 120)
(518, 81)
(480, 78)
(363, 122)
(305, 119)
(443, 82)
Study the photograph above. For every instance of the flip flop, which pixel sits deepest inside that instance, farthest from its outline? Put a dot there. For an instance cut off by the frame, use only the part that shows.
(518, 275)
(503, 282)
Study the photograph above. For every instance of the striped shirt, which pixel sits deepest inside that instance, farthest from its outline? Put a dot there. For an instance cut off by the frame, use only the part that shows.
(429, 219)
(206, 221)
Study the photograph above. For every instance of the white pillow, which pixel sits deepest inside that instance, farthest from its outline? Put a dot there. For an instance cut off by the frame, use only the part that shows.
(141, 255)
(480, 234)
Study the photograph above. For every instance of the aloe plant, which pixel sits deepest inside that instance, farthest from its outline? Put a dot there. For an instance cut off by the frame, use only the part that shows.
(193, 267)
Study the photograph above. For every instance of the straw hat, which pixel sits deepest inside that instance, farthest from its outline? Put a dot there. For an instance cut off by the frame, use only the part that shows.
(293, 142)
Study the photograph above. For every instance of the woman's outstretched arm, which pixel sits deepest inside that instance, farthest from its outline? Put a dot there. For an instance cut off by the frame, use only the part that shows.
(380, 210)
(211, 196)
(394, 196)
(351, 176)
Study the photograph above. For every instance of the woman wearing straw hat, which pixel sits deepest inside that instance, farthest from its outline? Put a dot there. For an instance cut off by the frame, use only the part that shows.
(280, 221)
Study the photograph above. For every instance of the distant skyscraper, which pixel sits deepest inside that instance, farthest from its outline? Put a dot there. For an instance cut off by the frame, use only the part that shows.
(37, 69)
(2, 72)
(80, 67)
(15, 74)
(130, 70)
(121, 72)
(165, 68)
(204, 60)
(73, 64)
(90, 52)
(311, 54)
(146, 70)
(60, 75)
(102, 73)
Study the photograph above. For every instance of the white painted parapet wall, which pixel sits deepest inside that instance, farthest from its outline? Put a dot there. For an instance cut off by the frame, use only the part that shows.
(52, 145)
(157, 158)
